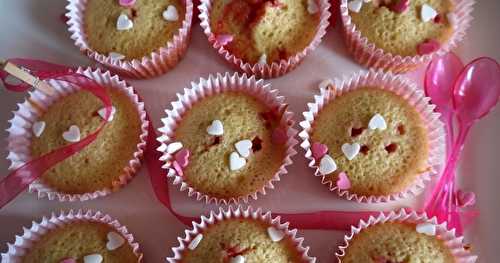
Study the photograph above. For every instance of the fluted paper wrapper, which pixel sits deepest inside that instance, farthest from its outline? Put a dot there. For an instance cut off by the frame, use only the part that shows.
(402, 87)
(215, 85)
(454, 243)
(368, 55)
(20, 132)
(239, 213)
(30, 236)
(156, 63)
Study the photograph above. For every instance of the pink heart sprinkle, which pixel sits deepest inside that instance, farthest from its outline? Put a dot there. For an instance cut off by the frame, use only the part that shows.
(127, 3)
(223, 39)
(343, 183)
(401, 6)
(465, 199)
(178, 168)
(279, 136)
(68, 260)
(428, 47)
(318, 150)
(182, 157)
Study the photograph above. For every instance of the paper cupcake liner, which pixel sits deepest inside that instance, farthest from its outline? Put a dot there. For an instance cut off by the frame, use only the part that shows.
(275, 69)
(216, 85)
(25, 242)
(20, 132)
(403, 88)
(238, 212)
(454, 243)
(368, 55)
(156, 63)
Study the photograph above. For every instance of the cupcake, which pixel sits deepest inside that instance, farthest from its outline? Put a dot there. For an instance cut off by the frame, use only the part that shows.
(403, 237)
(399, 35)
(239, 235)
(373, 138)
(227, 138)
(75, 237)
(265, 38)
(141, 38)
(71, 115)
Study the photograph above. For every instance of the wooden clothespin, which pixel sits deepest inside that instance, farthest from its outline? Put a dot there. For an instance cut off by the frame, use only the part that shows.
(21, 74)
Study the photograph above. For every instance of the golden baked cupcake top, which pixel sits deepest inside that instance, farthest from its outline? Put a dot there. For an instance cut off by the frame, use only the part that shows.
(261, 31)
(232, 145)
(376, 139)
(404, 27)
(80, 241)
(241, 240)
(397, 242)
(101, 163)
(132, 32)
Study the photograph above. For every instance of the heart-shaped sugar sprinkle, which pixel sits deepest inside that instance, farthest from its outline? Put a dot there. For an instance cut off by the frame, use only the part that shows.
(182, 157)
(427, 13)
(102, 113)
(216, 128)
(350, 150)
(195, 242)
(275, 234)
(377, 122)
(116, 56)
(343, 182)
(124, 23)
(327, 165)
(262, 60)
(93, 258)
(72, 134)
(223, 39)
(243, 147)
(355, 5)
(237, 259)
(465, 199)
(174, 147)
(318, 150)
(428, 47)
(236, 162)
(127, 3)
(170, 14)
(68, 260)
(115, 241)
(38, 128)
(312, 7)
(427, 229)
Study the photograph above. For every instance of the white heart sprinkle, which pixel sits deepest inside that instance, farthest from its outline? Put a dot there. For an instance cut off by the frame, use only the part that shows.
(93, 258)
(276, 235)
(38, 128)
(195, 242)
(427, 229)
(102, 113)
(323, 85)
(115, 241)
(243, 147)
(11, 80)
(216, 128)
(73, 134)
(350, 150)
(237, 259)
(262, 60)
(427, 13)
(174, 147)
(236, 162)
(124, 23)
(377, 122)
(116, 56)
(355, 5)
(327, 165)
(170, 14)
(312, 7)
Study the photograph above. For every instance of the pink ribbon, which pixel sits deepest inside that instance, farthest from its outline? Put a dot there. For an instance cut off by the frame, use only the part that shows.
(19, 179)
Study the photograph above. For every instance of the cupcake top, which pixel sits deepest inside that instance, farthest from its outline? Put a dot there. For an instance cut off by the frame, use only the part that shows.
(131, 31)
(375, 139)
(264, 31)
(404, 27)
(241, 240)
(232, 145)
(101, 163)
(397, 242)
(81, 241)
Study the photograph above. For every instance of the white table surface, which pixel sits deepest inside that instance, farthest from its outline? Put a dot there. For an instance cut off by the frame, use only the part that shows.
(33, 29)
